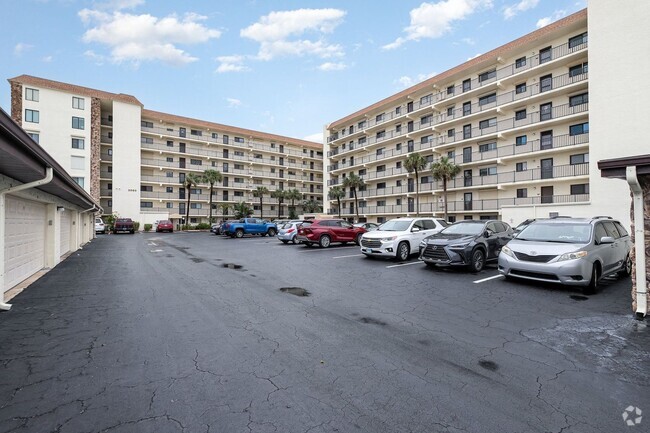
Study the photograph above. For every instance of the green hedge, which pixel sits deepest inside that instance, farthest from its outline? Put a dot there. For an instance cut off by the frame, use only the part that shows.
(147, 227)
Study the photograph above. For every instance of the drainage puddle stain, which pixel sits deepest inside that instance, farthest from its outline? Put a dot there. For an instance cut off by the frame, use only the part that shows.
(488, 365)
(197, 260)
(231, 266)
(578, 297)
(371, 321)
(297, 291)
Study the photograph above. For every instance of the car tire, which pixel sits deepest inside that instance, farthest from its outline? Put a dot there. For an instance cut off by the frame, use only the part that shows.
(325, 241)
(132, 232)
(357, 240)
(403, 251)
(307, 244)
(593, 282)
(271, 232)
(239, 233)
(626, 270)
(477, 261)
(285, 242)
(293, 240)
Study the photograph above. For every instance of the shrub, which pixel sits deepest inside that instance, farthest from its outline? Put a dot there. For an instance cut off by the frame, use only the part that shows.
(136, 226)
(203, 226)
(187, 227)
(147, 227)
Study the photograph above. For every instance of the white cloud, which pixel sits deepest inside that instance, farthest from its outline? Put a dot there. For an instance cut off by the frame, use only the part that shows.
(317, 137)
(232, 64)
(98, 59)
(543, 22)
(47, 59)
(433, 20)
(474, 56)
(22, 47)
(233, 102)
(512, 10)
(116, 5)
(468, 41)
(137, 38)
(330, 66)
(406, 81)
(282, 33)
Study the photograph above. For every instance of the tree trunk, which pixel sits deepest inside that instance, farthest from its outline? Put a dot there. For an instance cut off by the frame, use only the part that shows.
(261, 208)
(187, 211)
(339, 202)
(279, 207)
(211, 189)
(417, 194)
(444, 195)
(356, 204)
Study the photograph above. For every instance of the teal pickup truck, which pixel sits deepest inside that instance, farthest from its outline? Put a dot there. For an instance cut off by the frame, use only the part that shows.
(248, 226)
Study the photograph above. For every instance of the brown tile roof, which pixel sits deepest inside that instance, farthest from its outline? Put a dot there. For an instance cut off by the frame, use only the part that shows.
(156, 115)
(487, 57)
(71, 88)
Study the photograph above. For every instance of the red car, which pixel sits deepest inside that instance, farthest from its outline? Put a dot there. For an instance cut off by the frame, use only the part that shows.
(165, 226)
(324, 232)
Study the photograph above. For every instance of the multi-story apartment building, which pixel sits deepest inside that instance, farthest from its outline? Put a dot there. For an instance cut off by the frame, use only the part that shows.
(515, 120)
(135, 160)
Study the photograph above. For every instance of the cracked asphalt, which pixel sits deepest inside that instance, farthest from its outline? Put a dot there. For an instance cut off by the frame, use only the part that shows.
(162, 333)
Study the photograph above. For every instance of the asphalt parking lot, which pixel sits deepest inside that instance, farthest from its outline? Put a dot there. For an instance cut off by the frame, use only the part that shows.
(190, 332)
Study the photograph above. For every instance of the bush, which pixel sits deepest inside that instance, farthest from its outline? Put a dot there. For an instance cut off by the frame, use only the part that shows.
(147, 227)
(187, 227)
(136, 226)
(203, 226)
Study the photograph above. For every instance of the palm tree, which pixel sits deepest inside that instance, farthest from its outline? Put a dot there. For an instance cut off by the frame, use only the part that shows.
(337, 193)
(242, 210)
(354, 182)
(211, 177)
(260, 191)
(444, 170)
(416, 163)
(293, 195)
(225, 208)
(279, 195)
(191, 180)
(312, 206)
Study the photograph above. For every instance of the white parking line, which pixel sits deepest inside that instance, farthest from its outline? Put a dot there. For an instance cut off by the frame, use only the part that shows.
(153, 244)
(403, 264)
(352, 255)
(494, 277)
(155, 251)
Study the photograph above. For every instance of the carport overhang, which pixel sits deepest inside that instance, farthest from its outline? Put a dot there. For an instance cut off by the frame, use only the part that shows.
(636, 171)
(27, 165)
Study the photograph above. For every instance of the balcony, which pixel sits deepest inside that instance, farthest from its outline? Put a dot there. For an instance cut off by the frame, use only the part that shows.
(105, 156)
(106, 139)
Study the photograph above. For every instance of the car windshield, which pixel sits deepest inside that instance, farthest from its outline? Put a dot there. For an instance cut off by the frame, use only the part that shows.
(288, 225)
(463, 229)
(570, 233)
(394, 226)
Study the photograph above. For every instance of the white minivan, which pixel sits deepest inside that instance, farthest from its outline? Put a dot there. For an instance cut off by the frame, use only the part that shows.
(100, 227)
(400, 237)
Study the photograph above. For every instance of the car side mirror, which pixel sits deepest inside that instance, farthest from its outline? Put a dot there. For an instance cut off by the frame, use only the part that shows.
(415, 229)
(607, 240)
(488, 233)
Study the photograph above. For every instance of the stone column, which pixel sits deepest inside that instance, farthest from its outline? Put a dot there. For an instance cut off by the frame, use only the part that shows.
(645, 185)
(17, 102)
(95, 147)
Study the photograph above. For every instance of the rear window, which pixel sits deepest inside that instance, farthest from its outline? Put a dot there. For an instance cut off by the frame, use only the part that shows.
(305, 225)
(287, 226)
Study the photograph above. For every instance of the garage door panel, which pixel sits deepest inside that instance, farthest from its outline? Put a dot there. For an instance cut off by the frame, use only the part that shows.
(25, 225)
(66, 220)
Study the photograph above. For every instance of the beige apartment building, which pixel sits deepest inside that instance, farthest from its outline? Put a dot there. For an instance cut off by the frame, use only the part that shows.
(134, 160)
(515, 120)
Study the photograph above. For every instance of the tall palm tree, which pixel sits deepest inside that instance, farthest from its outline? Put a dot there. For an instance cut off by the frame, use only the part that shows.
(312, 206)
(444, 170)
(336, 193)
(242, 210)
(279, 195)
(293, 195)
(211, 177)
(225, 208)
(354, 182)
(416, 163)
(260, 192)
(191, 180)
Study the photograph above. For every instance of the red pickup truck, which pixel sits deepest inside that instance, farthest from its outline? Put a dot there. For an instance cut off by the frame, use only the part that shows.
(124, 225)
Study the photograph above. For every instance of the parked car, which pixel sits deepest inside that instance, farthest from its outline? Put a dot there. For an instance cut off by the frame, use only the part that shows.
(215, 228)
(253, 226)
(469, 243)
(324, 232)
(571, 251)
(288, 232)
(368, 226)
(100, 227)
(124, 225)
(400, 237)
(165, 226)
(528, 222)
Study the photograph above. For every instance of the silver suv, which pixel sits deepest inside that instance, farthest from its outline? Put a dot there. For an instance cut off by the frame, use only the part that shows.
(400, 237)
(572, 251)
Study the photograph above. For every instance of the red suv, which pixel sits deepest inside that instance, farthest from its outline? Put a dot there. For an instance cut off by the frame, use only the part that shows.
(165, 226)
(324, 232)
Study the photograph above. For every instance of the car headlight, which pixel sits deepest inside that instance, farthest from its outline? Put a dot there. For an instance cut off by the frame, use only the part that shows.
(572, 256)
(508, 252)
(459, 246)
(388, 239)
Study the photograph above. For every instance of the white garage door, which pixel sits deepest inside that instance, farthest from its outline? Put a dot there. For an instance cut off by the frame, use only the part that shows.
(66, 220)
(24, 239)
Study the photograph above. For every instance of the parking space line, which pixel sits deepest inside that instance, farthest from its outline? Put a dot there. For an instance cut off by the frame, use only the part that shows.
(493, 277)
(403, 264)
(351, 255)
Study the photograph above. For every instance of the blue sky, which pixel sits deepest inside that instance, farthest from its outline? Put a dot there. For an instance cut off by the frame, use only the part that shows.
(285, 67)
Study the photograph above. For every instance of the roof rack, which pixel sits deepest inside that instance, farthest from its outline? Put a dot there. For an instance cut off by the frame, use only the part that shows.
(602, 217)
(559, 216)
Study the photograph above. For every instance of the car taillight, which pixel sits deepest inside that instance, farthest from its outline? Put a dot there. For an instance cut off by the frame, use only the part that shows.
(291, 230)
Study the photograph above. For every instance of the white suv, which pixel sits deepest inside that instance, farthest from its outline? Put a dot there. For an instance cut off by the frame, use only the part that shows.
(100, 227)
(400, 237)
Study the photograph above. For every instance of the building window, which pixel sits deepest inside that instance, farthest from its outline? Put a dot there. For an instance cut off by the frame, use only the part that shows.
(78, 143)
(239, 193)
(426, 139)
(451, 155)
(170, 159)
(196, 132)
(520, 88)
(169, 189)
(521, 61)
(545, 55)
(78, 123)
(487, 123)
(450, 111)
(520, 114)
(521, 166)
(578, 40)
(240, 153)
(580, 69)
(361, 125)
(362, 172)
(380, 203)
(426, 119)
(170, 144)
(487, 171)
(361, 141)
(467, 108)
(425, 179)
(79, 180)
(239, 140)
(169, 174)
(378, 152)
(34, 136)
(78, 103)
(487, 99)
(467, 85)
(109, 152)
(169, 205)
(398, 110)
(215, 135)
(145, 124)
(239, 180)
(381, 168)
(78, 163)
(197, 191)
(196, 162)
(451, 132)
(450, 90)
(521, 140)
(398, 164)
(426, 100)
(239, 166)
(487, 147)
(31, 94)
(546, 111)
(546, 83)
(32, 116)
(580, 99)
(146, 204)
(146, 188)
(582, 128)
(582, 188)
(579, 159)
(379, 117)
(147, 140)
(381, 185)
(487, 75)
(522, 192)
